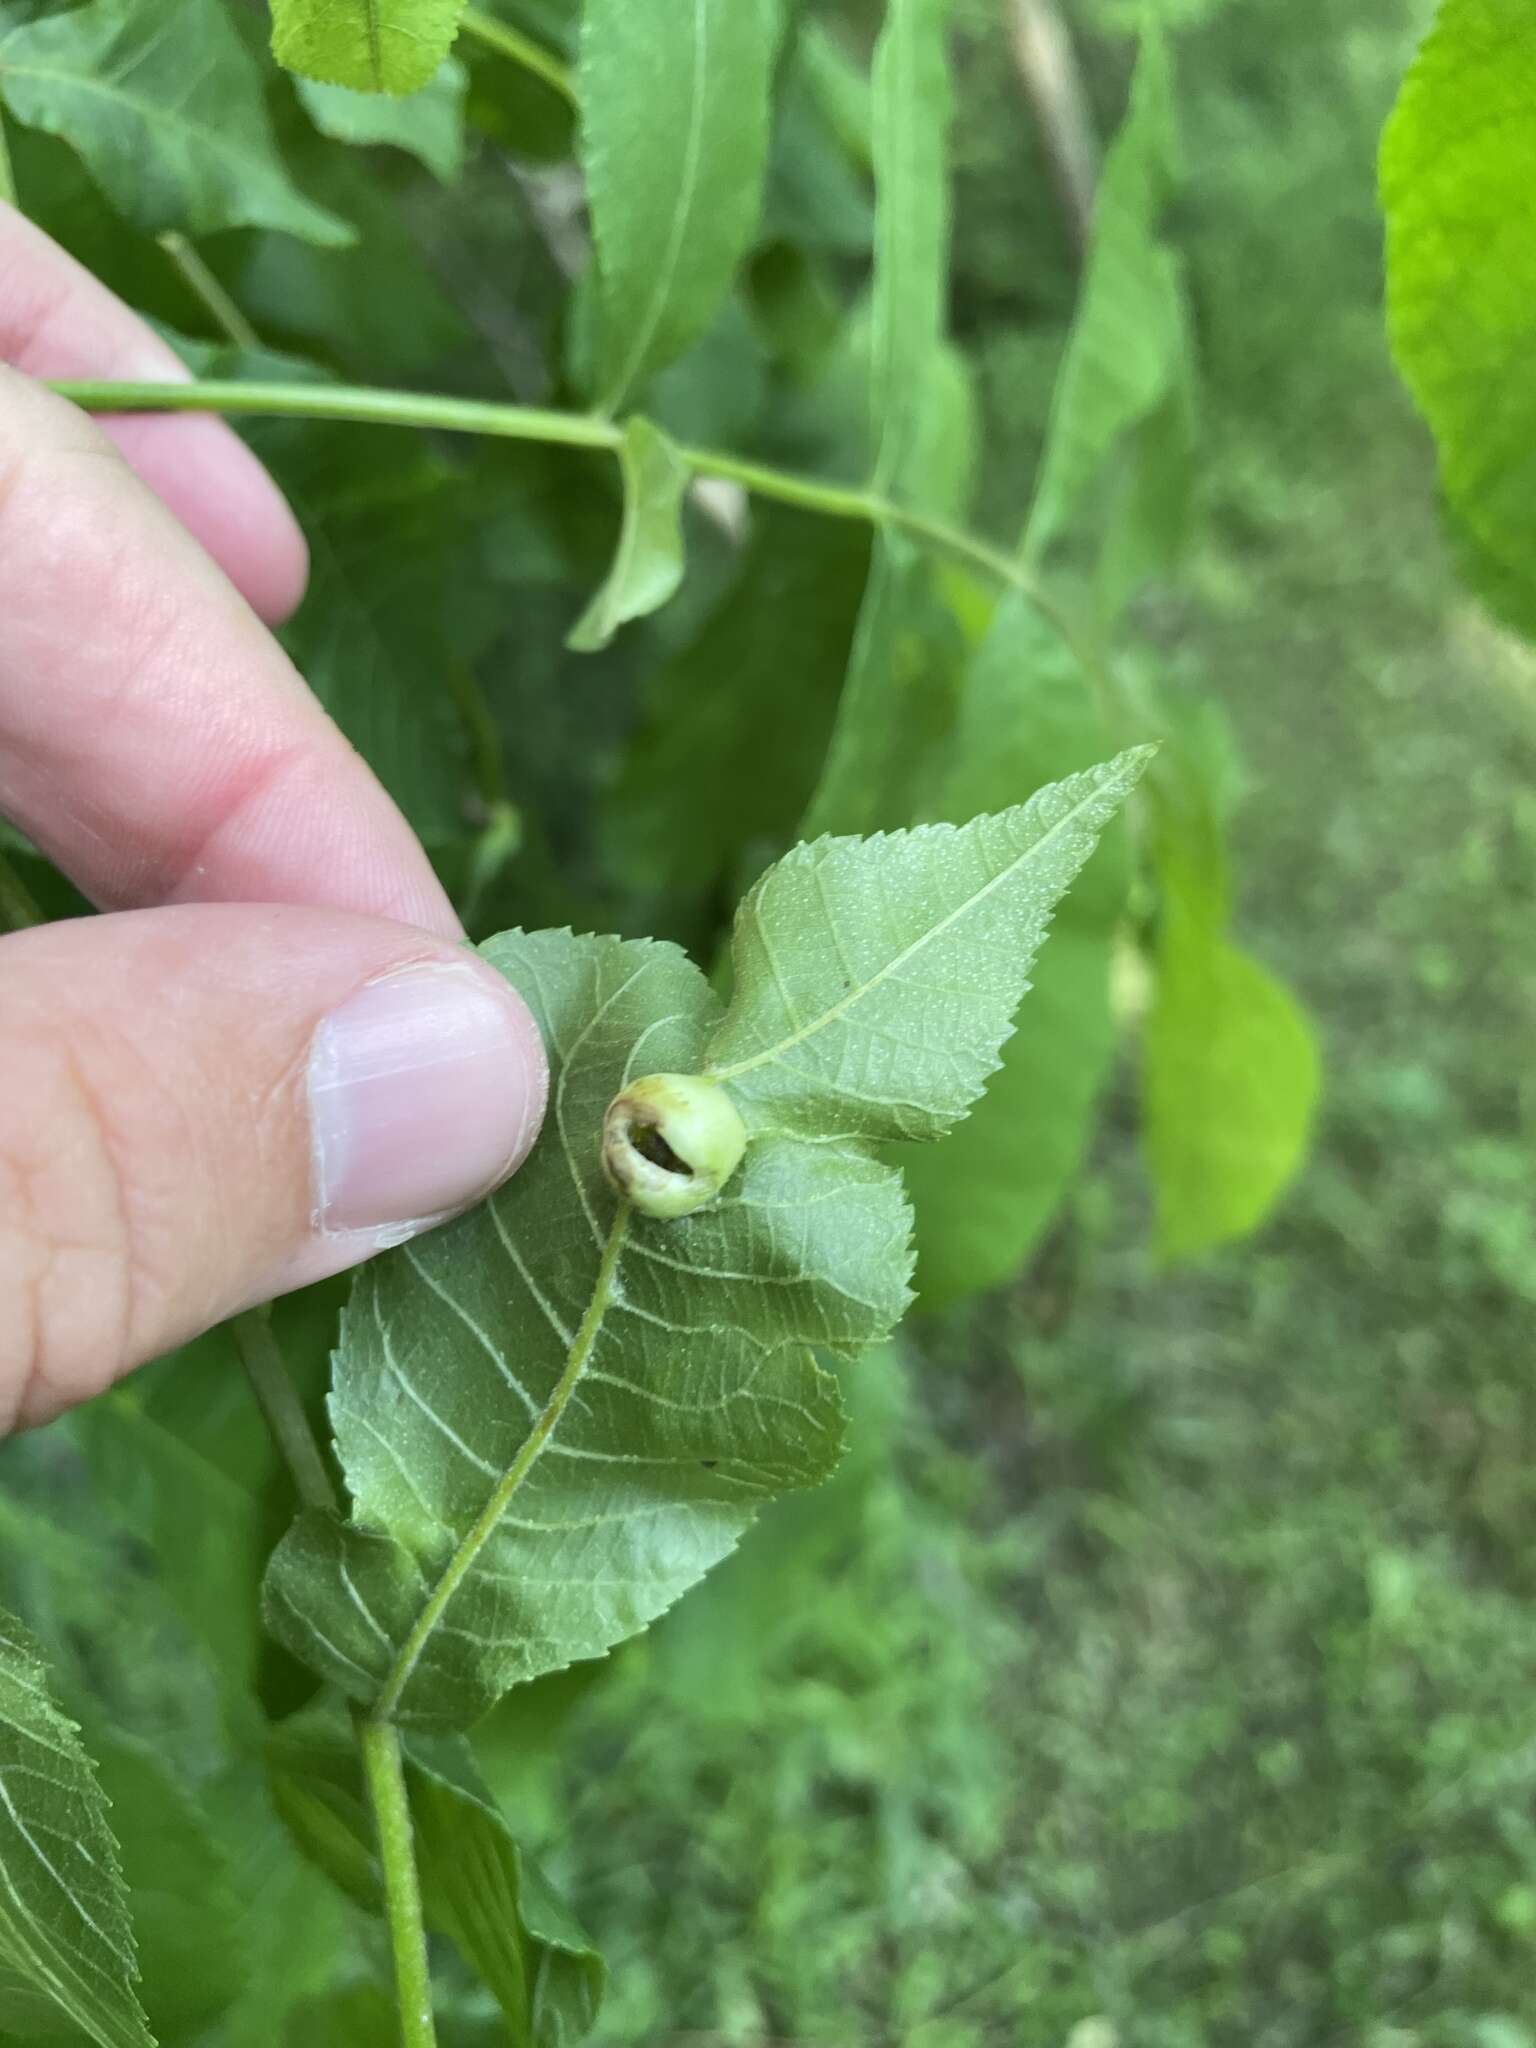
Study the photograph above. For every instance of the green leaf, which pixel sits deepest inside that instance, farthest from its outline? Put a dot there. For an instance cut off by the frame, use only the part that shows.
(1127, 349)
(736, 725)
(64, 1929)
(430, 123)
(1230, 1068)
(556, 1414)
(1458, 165)
(648, 565)
(164, 105)
(382, 46)
(876, 979)
(478, 1887)
(911, 111)
(983, 1198)
(898, 702)
(674, 140)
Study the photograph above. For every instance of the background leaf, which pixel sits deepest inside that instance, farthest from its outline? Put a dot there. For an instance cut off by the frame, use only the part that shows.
(648, 564)
(983, 1197)
(1127, 345)
(430, 123)
(674, 141)
(64, 1929)
(161, 100)
(1458, 164)
(910, 121)
(382, 46)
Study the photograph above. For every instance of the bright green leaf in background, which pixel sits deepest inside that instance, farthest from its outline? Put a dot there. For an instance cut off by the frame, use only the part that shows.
(984, 1197)
(430, 123)
(66, 1947)
(478, 1887)
(674, 141)
(555, 1415)
(1458, 170)
(648, 564)
(163, 103)
(383, 46)
(1230, 1068)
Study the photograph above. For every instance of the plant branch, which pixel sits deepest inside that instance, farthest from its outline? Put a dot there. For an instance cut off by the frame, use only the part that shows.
(511, 42)
(19, 908)
(1053, 84)
(282, 1409)
(384, 1768)
(572, 430)
(200, 280)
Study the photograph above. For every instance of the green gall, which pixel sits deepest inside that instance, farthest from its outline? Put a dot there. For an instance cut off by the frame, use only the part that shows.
(671, 1142)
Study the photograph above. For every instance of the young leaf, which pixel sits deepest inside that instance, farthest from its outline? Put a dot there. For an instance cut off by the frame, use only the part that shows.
(898, 702)
(674, 140)
(648, 565)
(1126, 349)
(477, 1885)
(430, 124)
(876, 979)
(1458, 166)
(555, 1415)
(910, 125)
(983, 1197)
(164, 105)
(386, 46)
(64, 1930)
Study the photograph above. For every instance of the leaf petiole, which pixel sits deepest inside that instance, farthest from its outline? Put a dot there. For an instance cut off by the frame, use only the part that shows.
(509, 42)
(384, 1769)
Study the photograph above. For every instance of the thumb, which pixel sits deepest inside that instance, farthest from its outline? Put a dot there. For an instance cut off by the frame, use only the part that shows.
(204, 1106)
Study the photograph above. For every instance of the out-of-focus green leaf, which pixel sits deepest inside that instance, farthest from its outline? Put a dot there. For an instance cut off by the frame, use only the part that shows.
(1128, 339)
(898, 701)
(557, 1414)
(478, 1887)
(648, 564)
(736, 725)
(1458, 166)
(1230, 1069)
(185, 1907)
(674, 141)
(388, 527)
(65, 1936)
(383, 46)
(161, 100)
(430, 123)
(983, 1198)
(911, 111)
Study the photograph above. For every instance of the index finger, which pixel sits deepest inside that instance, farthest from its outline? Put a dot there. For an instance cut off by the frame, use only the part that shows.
(57, 321)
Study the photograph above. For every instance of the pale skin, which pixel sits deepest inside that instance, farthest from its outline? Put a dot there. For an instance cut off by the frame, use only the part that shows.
(273, 1055)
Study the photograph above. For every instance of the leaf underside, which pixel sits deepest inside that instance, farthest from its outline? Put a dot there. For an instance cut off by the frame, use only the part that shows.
(555, 1414)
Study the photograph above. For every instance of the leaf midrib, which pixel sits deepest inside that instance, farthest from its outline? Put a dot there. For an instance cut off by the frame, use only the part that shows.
(840, 1008)
(463, 1560)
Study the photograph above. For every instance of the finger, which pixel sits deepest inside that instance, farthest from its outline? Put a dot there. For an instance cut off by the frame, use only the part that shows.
(206, 1106)
(154, 739)
(57, 321)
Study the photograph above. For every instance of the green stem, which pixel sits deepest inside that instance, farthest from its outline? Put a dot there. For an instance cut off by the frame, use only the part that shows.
(572, 430)
(19, 908)
(7, 174)
(227, 316)
(280, 1405)
(384, 1768)
(511, 42)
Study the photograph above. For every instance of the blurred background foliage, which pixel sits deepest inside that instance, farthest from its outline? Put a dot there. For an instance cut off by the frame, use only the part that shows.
(1157, 1674)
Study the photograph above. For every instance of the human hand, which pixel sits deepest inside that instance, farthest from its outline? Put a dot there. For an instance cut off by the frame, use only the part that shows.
(275, 1057)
